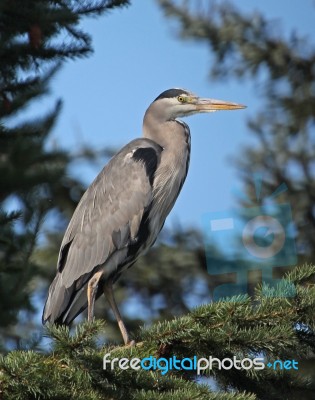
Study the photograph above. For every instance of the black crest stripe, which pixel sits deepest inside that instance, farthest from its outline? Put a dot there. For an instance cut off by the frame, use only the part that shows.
(171, 93)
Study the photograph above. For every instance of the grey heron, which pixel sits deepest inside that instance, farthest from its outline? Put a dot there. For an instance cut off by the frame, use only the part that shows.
(122, 212)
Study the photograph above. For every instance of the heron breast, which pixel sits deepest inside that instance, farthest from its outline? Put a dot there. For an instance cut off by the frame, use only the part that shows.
(168, 181)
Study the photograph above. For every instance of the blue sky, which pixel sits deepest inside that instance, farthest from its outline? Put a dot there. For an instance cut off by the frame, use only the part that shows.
(137, 56)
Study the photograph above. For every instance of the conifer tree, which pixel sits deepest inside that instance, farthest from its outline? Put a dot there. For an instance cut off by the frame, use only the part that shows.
(245, 45)
(268, 325)
(273, 328)
(36, 37)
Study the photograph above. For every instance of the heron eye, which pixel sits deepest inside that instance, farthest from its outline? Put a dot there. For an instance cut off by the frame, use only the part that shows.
(181, 99)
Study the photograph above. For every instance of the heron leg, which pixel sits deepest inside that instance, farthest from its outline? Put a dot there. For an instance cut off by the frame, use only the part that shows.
(108, 291)
(91, 293)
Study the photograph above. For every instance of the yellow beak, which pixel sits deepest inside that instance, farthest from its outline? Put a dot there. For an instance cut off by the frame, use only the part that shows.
(208, 105)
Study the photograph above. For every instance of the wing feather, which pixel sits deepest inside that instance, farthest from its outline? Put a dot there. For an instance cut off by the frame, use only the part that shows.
(105, 222)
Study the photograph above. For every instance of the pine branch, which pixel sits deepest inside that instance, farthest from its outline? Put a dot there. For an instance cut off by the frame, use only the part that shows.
(35, 38)
(99, 6)
(237, 327)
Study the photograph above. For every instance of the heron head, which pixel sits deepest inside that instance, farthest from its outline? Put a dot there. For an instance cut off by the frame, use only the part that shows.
(174, 103)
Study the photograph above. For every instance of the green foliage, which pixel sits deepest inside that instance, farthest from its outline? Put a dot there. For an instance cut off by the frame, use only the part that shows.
(35, 38)
(245, 45)
(237, 326)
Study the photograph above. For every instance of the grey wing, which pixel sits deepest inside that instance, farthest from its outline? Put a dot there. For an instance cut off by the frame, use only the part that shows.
(104, 228)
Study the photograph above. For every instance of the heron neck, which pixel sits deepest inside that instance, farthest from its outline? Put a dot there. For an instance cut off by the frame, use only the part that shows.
(169, 134)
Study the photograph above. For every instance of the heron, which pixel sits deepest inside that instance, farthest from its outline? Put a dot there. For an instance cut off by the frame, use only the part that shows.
(122, 212)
